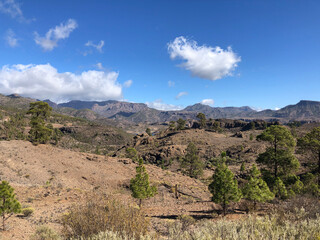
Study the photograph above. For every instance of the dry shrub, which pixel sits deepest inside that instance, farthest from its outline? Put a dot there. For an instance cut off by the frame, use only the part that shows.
(99, 215)
(298, 208)
(45, 233)
(186, 221)
(251, 227)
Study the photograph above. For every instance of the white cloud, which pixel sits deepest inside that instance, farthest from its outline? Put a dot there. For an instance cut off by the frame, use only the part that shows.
(171, 83)
(180, 94)
(99, 66)
(258, 109)
(209, 102)
(276, 108)
(204, 61)
(128, 83)
(13, 9)
(11, 39)
(44, 81)
(160, 105)
(50, 40)
(96, 46)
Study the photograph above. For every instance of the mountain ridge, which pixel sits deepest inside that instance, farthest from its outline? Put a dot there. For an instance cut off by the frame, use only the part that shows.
(308, 110)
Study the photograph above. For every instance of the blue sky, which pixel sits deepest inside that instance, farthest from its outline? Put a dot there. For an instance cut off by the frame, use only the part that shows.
(168, 54)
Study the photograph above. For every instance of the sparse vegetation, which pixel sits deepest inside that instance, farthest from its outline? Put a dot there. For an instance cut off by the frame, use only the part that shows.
(278, 164)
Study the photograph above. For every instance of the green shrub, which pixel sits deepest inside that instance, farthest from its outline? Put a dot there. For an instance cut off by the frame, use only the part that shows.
(27, 211)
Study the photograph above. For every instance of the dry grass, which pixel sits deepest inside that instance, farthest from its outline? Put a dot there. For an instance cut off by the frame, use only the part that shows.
(98, 215)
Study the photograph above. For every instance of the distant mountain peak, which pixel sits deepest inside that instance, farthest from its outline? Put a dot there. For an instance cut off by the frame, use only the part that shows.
(307, 102)
(14, 95)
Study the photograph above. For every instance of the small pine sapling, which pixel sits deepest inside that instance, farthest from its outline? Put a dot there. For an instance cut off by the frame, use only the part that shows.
(140, 186)
(9, 205)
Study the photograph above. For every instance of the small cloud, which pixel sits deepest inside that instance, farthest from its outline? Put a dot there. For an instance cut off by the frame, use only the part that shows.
(50, 40)
(258, 109)
(13, 9)
(209, 102)
(96, 46)
(204, 61)
(99, 66)
(276, 108)
(171, 83)
(180, 94)
(44, 81)
(11, 39)
(160, 105)
(128, 83)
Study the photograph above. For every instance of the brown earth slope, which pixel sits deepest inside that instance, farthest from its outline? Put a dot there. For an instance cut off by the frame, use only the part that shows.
(50, 180)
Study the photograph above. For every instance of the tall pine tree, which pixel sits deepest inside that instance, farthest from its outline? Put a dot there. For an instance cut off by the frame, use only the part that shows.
(310, 143)
(224, 187)
(39, 132)
(140, 185)
(191, 162)
(278, 157)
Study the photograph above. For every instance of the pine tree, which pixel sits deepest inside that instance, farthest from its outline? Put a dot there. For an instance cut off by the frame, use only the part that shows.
(191, 162)
(132, 154)
(310, 143)
(202, 120)
(224, 187)
(278, 158)
(148, 131)
(140, 185)
(8, 202)
(181, 124)
(256, 189)
(172, 125)
(242, 168)
(39, 132)
(279, 189)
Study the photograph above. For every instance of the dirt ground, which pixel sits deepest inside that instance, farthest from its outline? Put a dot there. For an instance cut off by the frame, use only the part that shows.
(50, 180)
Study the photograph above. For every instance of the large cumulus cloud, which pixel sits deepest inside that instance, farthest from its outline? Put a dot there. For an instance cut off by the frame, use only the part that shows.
(204, 61)
(44, 81)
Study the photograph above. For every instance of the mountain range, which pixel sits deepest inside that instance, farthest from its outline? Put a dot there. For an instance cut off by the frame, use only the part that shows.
(139, 112)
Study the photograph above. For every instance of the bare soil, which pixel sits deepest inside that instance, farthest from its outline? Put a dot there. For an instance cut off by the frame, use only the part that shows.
(50, 180)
